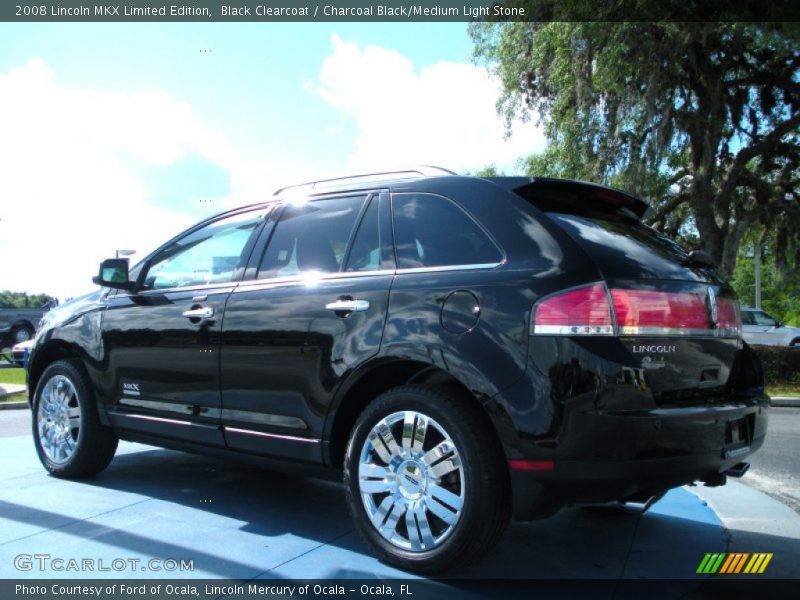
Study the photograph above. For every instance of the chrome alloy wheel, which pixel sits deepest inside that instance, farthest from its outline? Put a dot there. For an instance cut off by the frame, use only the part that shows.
(58, 419)
(411, 481)
(22, 335)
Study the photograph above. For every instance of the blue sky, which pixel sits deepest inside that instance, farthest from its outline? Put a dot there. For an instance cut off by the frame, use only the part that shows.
(166, 123)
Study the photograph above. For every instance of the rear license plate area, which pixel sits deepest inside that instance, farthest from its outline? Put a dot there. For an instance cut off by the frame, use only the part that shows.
(739, 435)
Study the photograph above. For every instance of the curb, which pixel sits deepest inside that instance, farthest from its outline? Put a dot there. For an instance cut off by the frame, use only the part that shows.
(785, 401)
(13, 405)
(751, 520)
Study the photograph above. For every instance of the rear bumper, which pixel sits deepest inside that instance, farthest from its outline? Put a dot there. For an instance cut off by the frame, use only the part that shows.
(603, 456)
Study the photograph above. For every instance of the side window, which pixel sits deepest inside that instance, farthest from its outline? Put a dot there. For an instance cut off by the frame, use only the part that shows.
(763, 319)
(365, 255)
(212, 254)
(311, 237)
(431, 231)
(747, 318)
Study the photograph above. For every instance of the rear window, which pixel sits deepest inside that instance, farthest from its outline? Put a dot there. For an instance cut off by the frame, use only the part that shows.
(625, 248)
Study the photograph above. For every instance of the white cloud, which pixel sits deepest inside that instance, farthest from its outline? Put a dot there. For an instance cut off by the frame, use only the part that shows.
(69, 192)
(444, 114)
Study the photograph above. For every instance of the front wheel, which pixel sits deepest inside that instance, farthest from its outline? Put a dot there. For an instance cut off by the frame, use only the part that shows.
(70, 440)
(426, 483)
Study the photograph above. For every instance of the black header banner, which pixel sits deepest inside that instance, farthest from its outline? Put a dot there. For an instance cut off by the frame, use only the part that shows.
(399, 10)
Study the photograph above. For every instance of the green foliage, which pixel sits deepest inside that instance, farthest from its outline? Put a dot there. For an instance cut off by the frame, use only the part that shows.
(22, 300)
(781, 365)
(700, 118)
(489, 171)
(780, 293)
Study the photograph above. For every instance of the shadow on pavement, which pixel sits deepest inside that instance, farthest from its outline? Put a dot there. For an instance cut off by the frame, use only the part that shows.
(242, 522)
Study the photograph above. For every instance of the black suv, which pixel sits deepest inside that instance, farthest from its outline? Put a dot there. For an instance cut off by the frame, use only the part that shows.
(463, 349)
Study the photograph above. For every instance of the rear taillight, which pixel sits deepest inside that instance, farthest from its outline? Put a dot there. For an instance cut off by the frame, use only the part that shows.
(582, 311)
(588, 311)
(729, 317)
(644, 312)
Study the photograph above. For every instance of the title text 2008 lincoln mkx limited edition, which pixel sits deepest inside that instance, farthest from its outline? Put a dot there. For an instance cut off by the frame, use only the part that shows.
(461, 349)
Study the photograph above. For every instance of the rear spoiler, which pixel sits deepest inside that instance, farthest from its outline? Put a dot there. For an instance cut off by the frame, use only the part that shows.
(565, 195)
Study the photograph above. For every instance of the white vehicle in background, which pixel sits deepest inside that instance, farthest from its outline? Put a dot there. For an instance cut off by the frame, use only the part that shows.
(760, 328)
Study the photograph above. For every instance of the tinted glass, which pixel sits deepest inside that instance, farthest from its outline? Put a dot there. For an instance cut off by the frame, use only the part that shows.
(431, 231)
(626, 249)
(747, 318)
(311, 237)
(212, 254)
(365, 255)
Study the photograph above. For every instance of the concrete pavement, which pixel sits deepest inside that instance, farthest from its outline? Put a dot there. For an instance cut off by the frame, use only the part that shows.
(239, 522)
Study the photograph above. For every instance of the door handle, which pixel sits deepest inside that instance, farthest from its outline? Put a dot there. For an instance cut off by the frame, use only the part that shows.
(202, 312)
(348, 305)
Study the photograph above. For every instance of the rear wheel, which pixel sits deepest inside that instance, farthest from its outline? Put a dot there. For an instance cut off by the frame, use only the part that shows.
(21, 333)
(70, 440)
(425, 481)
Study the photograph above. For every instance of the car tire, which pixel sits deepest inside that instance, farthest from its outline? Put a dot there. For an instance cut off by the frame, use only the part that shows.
(428, 502)
(21, 333)
(70, 439)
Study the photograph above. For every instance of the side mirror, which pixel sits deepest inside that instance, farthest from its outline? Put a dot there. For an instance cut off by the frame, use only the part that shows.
(114, 274)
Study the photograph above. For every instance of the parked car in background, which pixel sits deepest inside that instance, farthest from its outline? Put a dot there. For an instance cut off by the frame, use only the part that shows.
(19, 324)
(457, 349)
(18, 352)
(760, 328)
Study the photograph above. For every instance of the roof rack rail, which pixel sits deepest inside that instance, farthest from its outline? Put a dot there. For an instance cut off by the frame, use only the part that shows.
(409, 173)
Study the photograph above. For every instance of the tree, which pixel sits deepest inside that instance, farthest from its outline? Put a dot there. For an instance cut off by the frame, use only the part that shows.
(700, 118)
(10, 299)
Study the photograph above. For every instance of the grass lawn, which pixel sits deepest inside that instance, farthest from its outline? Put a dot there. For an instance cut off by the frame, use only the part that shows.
(785, 389)
(13, 375)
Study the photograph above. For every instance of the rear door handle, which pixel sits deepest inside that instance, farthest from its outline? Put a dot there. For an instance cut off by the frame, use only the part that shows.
(202, 312)
(348, 305)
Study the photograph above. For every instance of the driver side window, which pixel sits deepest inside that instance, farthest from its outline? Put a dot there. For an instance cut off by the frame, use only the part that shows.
(212, 254)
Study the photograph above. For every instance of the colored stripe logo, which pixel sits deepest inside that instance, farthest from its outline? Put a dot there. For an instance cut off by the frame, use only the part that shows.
(733, 563)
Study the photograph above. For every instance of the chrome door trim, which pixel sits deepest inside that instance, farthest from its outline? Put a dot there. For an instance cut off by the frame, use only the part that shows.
(288, 438)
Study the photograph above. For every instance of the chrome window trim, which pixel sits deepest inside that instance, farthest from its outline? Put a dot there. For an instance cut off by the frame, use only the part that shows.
(172, 290)
(443, 268)
(257, 284)
(288, 438)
